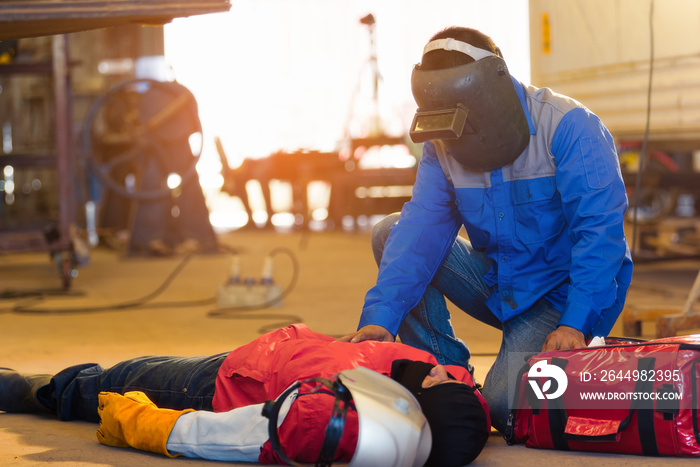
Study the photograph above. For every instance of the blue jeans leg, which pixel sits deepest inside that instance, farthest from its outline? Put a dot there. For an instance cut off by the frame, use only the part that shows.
(170, 382)
(460, 280)
(524, 334)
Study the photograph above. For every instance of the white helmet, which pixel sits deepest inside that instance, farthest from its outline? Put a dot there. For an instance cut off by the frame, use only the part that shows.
(393, 432)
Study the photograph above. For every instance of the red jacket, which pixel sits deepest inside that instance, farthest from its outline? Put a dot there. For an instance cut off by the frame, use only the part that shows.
(264, 368)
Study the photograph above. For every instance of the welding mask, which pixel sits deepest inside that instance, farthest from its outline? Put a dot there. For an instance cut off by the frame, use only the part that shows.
(472, 110)
(393, 431)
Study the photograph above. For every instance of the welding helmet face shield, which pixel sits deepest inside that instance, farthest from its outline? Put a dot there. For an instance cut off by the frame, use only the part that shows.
(393, 432)
(473, 109)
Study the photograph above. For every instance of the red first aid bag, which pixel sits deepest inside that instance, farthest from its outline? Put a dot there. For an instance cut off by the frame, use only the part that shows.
(628, 396)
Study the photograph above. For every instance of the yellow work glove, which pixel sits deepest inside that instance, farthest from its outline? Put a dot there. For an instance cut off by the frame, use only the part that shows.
(132, 420)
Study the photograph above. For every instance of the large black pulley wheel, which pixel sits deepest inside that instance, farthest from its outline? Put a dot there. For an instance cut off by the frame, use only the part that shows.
(140, 128)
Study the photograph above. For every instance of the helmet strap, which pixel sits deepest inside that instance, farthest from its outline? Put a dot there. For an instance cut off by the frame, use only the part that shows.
(334, 429)
(336, 425)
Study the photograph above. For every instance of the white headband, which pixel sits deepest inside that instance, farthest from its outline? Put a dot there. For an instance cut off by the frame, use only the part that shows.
(453, 44)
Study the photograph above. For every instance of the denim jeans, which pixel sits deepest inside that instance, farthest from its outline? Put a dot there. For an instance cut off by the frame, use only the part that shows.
(460, 280)
(170, 382)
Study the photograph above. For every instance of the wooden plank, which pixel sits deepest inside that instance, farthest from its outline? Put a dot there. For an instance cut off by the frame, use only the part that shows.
(19, 19)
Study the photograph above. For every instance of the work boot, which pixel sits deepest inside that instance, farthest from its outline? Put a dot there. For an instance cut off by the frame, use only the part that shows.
(18, 391)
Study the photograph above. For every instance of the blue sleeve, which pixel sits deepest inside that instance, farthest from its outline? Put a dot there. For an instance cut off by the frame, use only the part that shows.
(416, 247)
(594, 202)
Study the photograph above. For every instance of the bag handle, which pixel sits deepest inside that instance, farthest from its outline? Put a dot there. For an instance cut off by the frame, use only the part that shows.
(644, 409)
(694, 388)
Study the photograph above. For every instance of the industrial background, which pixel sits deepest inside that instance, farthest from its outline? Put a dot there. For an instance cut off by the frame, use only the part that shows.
(180, 177)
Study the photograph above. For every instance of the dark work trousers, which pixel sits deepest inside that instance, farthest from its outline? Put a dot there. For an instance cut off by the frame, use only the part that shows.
(170, 382)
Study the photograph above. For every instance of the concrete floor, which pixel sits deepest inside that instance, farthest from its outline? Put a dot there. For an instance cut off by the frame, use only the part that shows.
(334, 272)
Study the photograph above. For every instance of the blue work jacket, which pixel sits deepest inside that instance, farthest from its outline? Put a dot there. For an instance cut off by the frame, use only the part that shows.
(551, 222)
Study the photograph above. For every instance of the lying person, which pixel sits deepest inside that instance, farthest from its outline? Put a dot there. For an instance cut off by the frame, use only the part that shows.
(169, 400)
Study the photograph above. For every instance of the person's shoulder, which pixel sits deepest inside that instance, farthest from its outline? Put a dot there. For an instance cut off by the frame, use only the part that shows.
(550, 98)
